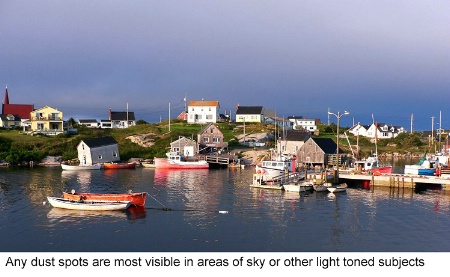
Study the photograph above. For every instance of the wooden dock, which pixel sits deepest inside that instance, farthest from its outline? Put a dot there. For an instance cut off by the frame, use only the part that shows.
(403, 181)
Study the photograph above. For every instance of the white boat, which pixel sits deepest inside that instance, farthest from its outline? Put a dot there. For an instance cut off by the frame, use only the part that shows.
(80, 167)
(298, 186)
(59, 202)
(272, 169)
(176, 161)
(338, 188)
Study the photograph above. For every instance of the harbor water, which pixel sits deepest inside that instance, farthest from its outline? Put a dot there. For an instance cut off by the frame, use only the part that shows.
(215, 210)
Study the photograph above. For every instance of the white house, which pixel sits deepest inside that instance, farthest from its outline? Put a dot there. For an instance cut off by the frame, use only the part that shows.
(98, 150)
(202, 111)
(307, 124)
(90, 123)
(359, 130)
(250, 114)
(384, 131)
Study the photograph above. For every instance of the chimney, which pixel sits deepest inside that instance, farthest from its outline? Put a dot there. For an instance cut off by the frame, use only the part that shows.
(110, 117)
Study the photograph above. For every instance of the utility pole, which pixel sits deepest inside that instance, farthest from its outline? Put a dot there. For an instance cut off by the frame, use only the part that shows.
(432, 132)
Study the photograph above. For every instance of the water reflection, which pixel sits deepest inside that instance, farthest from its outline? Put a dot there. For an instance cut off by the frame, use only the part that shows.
(257, 220)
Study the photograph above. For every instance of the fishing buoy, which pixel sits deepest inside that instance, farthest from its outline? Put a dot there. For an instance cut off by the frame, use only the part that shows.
(223, 212)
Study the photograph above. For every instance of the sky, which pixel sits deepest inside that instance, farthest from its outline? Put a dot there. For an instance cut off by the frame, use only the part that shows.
(381, 60)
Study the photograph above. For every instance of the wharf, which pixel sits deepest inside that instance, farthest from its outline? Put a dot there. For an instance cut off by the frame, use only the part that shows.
(398, 180)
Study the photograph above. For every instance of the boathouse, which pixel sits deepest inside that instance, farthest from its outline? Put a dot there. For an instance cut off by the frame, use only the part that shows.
(318, 151)
(98, 150)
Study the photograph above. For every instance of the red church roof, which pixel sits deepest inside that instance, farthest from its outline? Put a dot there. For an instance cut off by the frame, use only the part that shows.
(22, 110)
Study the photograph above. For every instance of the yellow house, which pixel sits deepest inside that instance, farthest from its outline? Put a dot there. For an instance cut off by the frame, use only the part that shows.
(47, 120)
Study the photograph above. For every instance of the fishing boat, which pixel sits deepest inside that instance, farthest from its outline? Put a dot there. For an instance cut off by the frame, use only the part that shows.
(136, 198)
(80, 167)
(176, 161)
(272, 169)
(113, 165)
(62, 203)
(372, 165)
(426, 166)
(338, 188)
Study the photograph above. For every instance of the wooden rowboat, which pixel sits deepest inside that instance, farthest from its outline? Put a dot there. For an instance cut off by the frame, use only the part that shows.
(80, 167)
(136, 198)
(339, 188)
(58, 202)
(119, 166)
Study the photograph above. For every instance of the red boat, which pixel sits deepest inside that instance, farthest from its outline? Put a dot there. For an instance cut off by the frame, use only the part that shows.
(373, 166)
(119, 166)
(136, 198)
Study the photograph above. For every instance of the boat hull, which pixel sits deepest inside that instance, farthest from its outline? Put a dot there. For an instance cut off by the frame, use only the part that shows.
(321, 187)
(119, 166)
(166, 163)
(338, 188)
(80, 167)
(381, 170)
(87, 206)
(418, 170)
(136, 198)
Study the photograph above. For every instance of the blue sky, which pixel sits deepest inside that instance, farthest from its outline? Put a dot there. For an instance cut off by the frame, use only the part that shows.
(389, 59)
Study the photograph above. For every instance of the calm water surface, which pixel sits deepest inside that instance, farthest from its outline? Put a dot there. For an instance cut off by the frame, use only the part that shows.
(257, 220)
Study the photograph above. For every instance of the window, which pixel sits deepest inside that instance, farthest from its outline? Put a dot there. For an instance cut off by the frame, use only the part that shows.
(216, 139)
(114, 154)
(205, 139)
(100, 157)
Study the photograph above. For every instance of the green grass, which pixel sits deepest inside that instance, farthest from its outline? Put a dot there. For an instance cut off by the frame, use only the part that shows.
(16, 147)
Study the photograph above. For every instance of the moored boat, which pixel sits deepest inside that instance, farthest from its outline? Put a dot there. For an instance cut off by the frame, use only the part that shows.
(275, 168)
(298, 186)
(338, 188)
(136, 198)
(58, 202)
(80, 167)
(426, 167)
(321, 187)
(176, 161)
(373, 166)
(113, 165)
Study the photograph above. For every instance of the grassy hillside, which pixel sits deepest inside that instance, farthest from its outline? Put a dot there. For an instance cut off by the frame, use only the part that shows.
(16, 147)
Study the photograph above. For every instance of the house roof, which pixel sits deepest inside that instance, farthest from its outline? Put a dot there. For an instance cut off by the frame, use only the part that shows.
(87, 120)
(22, 110)
(327, 145)
(297, 135)
(98, 142)
(249, 110)
(122, 116)
(203, 103)
(4, 117)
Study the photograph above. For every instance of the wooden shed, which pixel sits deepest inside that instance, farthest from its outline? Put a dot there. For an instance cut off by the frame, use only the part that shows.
(98, 150)
(184, 146)
(317, 151)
